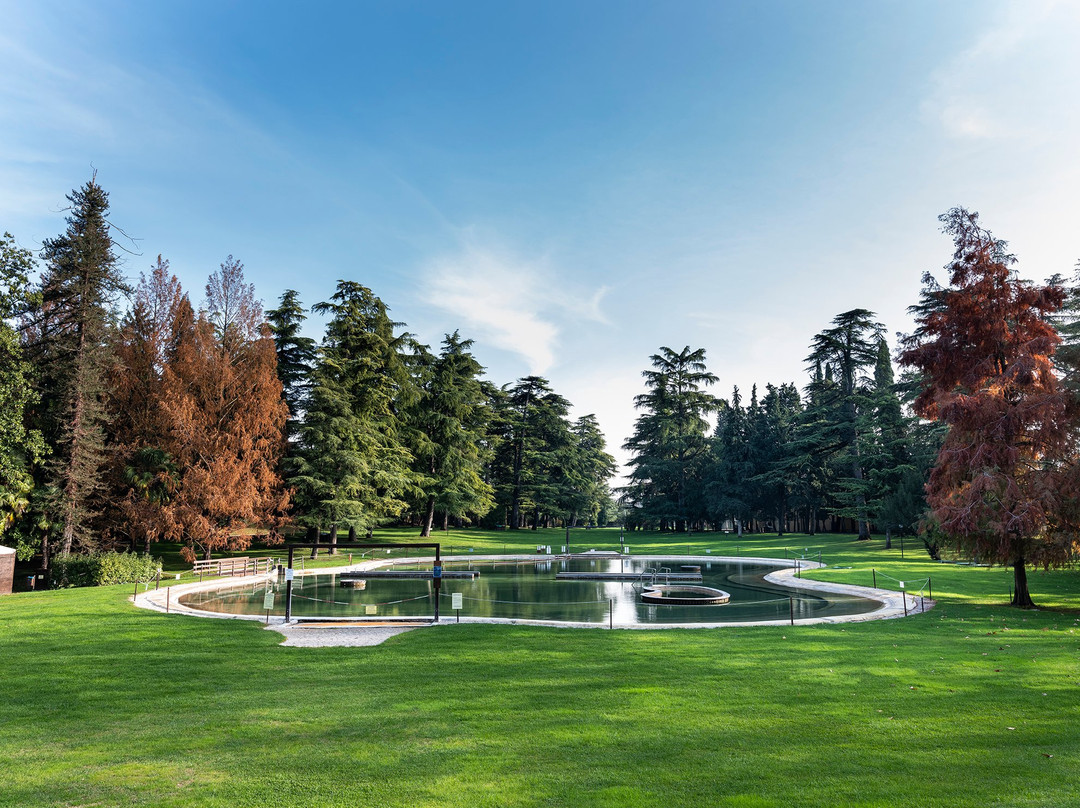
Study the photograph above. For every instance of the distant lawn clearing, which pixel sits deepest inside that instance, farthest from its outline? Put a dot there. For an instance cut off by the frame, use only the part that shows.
(972, 704)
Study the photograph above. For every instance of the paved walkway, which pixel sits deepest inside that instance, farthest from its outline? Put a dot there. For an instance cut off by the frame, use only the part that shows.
(306, 635)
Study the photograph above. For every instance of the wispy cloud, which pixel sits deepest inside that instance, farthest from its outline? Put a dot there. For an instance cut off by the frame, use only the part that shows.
(1016, 81)
(514, 304)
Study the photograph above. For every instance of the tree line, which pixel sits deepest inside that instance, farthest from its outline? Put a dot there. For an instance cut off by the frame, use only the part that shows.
(842, 453)
(975, 446)
(130, 416)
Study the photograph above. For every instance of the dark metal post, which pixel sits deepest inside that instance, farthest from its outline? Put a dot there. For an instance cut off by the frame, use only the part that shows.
(904, 596)
(610, 614)
(288, 589)
(930, 584)
(875, 577)
(791, 608)
(168, 595)
(157, 583)
(438, 585)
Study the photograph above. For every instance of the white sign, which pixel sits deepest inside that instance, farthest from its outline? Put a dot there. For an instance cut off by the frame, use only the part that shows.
(268, 600)
(288, 573)
(455, 600)
(370, 609)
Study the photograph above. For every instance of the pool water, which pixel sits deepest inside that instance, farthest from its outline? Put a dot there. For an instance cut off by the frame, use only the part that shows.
(528, 591)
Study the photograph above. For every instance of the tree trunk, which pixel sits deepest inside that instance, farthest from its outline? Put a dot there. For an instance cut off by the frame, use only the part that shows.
(1021, 594)
(888, 537)
(333, 539)
(352, 534)
(446, 521)
(429, 518)
(313, 538)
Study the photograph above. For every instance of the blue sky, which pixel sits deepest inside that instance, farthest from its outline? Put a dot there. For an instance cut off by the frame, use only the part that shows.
(571, 184)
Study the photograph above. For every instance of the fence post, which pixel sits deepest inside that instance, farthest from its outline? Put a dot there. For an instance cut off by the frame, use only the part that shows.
(168, 597)
(791, 609)
(875, 577)
(930, 584)
(610, 614)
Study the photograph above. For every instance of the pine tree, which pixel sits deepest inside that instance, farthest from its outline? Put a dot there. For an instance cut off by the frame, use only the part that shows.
(452, 416)
(728, 490)
(533, 441)
(588, 471)
(669, 443)
(354, 466)
(848, 350)
(295, 355)
(773, 439)
(71, 331)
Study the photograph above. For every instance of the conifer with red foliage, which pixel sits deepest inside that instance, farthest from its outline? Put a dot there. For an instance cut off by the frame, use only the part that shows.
(1003, 488)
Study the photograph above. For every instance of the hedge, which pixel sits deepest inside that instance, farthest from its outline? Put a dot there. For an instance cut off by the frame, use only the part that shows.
(101, 569)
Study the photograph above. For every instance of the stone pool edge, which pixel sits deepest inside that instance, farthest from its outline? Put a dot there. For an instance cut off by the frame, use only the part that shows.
(892, 603)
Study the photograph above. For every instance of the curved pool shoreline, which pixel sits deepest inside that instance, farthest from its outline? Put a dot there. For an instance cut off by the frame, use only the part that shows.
(892, 604)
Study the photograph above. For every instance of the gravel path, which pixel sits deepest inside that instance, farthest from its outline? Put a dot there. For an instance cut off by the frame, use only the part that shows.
(345, 636)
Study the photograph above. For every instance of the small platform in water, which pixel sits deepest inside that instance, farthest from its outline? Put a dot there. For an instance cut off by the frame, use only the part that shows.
(414, 574)
(626, 576)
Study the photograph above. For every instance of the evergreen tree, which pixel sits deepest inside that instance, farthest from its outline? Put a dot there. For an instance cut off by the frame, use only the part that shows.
(71, 333)
(532, 449)
(295, 355)
(773, 438)
(728, 489)
(1067, 323)
(452, 416)
(354, 466)
(21, 448)
(589, 470)
(669, 443)
(848, 350)
(815, 445)
(889, 457)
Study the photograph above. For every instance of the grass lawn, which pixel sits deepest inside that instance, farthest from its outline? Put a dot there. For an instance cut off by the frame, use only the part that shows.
(971, 704)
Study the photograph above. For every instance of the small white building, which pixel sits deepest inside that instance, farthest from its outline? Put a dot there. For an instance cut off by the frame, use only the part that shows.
(7, 569)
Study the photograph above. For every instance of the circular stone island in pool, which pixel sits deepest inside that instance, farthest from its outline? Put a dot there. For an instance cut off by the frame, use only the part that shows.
(684, 595)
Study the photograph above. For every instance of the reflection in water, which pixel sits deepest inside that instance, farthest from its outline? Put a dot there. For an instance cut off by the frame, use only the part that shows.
(517, 590)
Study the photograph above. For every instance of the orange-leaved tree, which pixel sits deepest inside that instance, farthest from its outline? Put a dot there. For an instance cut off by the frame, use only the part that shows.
(142, 470)
(1003, 488)
(225, 419)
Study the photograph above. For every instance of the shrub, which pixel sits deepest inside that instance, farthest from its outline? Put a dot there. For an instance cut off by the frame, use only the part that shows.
(102, 569)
